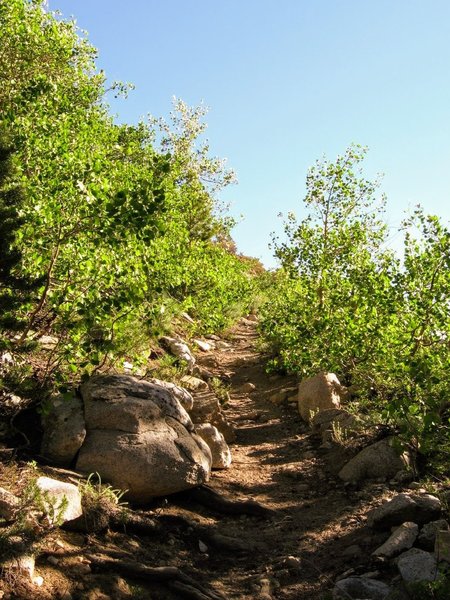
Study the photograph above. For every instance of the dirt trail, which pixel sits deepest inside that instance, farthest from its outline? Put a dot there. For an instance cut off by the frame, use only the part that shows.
(318, 531)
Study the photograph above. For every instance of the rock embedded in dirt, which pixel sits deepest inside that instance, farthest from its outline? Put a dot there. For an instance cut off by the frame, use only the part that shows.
(247, 388)
(9, 504)
(193, 384)
(377, 461)
(405, 507)
(62, 501)
(318, 393)
(220, 452)
(282, 395)
(360, 587)
(162, 460)
(207, 409)
(401, 539)
(204, 346)
(417, 565)
(64, 429)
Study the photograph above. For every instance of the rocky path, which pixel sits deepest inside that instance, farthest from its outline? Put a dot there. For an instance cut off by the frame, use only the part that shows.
(318, 530)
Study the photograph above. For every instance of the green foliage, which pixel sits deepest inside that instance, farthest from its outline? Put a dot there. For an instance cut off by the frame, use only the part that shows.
(118, 227)
(15, 287)
(342, 303)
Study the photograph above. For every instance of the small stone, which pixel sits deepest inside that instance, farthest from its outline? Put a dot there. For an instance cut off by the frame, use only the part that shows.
(193, 384)
(53, 560)
(248, 387)
(205, 346)
(202, 547)
(62, 500)
(352, 551)
(292, 563)
(417, 565)
(38, 580)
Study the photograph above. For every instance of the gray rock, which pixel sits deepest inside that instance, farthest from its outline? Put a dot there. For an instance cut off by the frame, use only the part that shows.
(401, 539)
(427, 535)
(360, 587)
(417, 565)
(193, 384)
(321, 392)
(220, 452)
(64, 429)
(378, 461)
(161, 460)
(62, 501)
(9, 503)
(419, 509)
(124, 403)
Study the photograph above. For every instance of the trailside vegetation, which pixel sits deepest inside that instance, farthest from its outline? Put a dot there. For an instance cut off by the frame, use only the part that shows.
(119, 224)
(343, 302)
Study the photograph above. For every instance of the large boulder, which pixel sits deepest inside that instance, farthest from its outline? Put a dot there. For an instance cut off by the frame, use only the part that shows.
(140, 438)
(64, 429)
(318, 393)
(381, 460)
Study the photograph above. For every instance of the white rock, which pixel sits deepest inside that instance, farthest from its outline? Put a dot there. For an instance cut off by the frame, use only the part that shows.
(401, 539)
(205, 346)
(221, 455)
(62, 500)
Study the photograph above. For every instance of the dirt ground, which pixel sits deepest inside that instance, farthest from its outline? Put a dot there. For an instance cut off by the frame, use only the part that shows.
(316, 532)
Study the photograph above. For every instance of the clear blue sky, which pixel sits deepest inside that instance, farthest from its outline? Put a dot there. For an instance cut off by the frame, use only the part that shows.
(286, 82)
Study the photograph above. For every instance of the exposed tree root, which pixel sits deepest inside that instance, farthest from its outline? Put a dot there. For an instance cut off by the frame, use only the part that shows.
(173, 577)
(210, 498)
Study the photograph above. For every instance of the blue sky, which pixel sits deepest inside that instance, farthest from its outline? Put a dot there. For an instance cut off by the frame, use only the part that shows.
(288, 81)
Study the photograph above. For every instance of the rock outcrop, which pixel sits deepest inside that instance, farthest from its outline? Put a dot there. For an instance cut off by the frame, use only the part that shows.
(139, 437)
